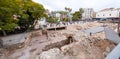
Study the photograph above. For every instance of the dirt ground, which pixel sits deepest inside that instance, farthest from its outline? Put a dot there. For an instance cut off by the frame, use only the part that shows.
(80, 47)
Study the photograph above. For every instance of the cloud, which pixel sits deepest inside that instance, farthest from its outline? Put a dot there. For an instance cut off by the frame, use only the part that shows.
(76, 4)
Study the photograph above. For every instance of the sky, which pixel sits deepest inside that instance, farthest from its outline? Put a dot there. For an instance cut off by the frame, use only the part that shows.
(97, 5)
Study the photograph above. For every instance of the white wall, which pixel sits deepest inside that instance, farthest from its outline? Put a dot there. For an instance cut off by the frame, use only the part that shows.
(42, 21)
(58, 15)
(108, 14)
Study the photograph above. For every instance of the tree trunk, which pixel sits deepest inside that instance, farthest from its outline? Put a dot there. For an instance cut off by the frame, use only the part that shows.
(4, 33)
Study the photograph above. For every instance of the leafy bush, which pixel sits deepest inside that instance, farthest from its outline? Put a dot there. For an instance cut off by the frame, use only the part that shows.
(66, 19)
(52, 20)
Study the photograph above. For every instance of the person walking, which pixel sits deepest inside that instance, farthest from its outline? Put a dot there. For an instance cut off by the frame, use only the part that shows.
(90, 34)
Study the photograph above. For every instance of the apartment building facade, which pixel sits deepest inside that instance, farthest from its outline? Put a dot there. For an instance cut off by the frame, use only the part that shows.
(88, 13)
(108, 13)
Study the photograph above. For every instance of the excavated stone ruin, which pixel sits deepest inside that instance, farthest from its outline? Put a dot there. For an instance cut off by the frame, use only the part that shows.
(59, 44)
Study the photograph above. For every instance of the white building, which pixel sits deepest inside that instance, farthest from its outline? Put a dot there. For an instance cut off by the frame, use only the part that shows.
(58, 15)
(55, 14)
(110, 13)
(88, 13)
(40, 23)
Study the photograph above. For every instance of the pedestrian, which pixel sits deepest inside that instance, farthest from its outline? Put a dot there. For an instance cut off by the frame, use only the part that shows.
(90, 34)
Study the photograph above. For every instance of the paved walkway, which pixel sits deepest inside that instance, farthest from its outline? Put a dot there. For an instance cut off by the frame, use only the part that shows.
(94, 30)
(112, 35)
(35, 47)
(14, 39)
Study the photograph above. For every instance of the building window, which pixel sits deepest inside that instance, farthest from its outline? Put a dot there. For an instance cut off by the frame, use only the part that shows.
(103, 15)
(110, 14)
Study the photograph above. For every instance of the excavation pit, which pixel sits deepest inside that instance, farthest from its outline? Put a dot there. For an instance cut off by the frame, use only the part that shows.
(59, 44)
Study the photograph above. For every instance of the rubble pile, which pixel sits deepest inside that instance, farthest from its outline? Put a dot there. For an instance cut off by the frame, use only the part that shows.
(84, 26)
(84, 47)
(100, 35)
(74, 27)
(36, 33)
(91, 24)
(112, 25)
(57, 35)
(76, 50)
(105, 46)
(54, 53)
(80, 50)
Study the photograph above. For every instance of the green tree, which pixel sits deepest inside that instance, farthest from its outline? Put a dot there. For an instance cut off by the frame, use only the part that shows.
(26, 12)
(52, 20)
(77, 15)
(7, 9)
(66, 19)
(33, 11)
(63, 12)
